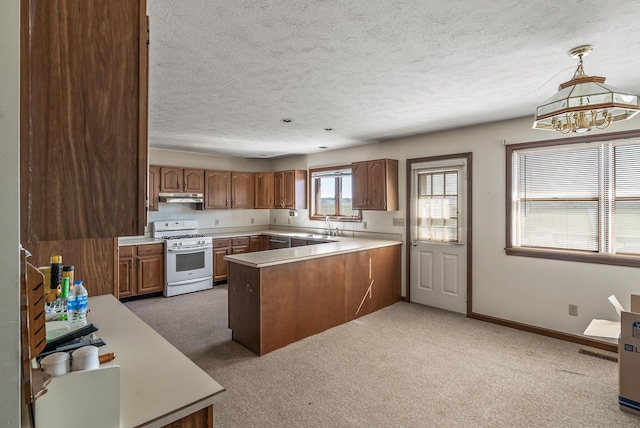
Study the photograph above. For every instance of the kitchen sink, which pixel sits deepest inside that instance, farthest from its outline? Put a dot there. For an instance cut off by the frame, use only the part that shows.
(313, 235)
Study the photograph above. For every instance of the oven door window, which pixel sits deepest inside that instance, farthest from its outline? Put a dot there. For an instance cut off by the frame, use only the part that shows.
(190, 261)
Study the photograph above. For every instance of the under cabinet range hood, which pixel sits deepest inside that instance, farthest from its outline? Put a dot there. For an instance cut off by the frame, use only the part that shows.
(183, 198)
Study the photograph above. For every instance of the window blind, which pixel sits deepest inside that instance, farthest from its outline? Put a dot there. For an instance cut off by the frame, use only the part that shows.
(578, 197)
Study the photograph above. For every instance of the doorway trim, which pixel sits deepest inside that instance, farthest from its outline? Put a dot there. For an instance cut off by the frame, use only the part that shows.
(468, 157)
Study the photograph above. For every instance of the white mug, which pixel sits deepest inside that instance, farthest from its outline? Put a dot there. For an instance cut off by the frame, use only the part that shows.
(55, 364)
(85, 358)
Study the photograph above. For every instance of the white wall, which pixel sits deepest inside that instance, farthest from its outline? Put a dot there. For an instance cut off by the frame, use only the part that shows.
(526, 290)
(10, 397)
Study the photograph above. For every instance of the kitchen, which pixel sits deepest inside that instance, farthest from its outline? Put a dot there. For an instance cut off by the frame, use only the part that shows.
(494, 273)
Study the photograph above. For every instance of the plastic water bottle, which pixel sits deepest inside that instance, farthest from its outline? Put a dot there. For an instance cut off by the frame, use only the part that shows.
(77, 304)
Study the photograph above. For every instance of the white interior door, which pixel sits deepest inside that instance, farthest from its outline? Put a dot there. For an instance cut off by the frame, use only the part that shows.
(438, 221)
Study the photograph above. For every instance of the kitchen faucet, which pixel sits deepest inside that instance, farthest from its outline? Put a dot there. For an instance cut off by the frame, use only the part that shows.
(329, 232)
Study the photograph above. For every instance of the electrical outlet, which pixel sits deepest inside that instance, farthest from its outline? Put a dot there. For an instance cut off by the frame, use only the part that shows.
(573, 310)
(398, 222)
(274, 220)
(364, 224)
(216, 222)
(288, 220)
(252, 221)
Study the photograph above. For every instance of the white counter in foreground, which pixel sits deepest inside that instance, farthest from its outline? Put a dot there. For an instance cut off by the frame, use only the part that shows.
(262, 259)
(158, 384)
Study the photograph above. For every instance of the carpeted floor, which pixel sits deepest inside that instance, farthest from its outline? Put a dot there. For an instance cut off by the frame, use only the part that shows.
(404, 366)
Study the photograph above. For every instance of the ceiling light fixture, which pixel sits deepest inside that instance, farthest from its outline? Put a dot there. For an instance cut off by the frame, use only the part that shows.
(585, 102)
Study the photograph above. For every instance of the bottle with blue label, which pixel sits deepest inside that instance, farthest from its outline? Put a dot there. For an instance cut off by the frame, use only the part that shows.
(77, 304)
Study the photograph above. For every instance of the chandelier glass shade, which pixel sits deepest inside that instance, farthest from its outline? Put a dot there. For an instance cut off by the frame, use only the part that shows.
(584, 103)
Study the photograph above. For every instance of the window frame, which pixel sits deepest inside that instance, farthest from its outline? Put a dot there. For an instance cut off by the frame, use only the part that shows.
(557, 254)
(312, 197)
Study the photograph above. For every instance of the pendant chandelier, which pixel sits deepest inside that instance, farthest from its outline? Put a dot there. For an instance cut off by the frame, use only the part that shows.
(585, 102)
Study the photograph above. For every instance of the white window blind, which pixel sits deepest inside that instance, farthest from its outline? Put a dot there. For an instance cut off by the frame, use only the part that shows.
(627, 199)
(577, 197)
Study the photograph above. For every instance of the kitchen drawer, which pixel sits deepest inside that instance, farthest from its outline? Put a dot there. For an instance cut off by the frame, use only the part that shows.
(240, 241)
(146, 250)
(221, 243)
(126, 251)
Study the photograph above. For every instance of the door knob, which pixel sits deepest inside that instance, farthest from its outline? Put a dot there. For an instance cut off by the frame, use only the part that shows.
(414, 243)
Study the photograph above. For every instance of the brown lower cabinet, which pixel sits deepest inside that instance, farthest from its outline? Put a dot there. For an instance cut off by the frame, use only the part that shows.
(200, 419)
(140, 269)
(235, 245)
(274, 306)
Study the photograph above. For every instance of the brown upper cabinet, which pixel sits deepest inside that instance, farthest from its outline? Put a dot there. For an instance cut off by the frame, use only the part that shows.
(375, 185)
(154, 187)
(228, 189)
(263, 190)
(290, 189)
(83, 119)
(177, 180)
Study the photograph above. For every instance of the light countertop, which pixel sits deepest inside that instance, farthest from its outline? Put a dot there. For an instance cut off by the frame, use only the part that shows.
(343, 245)
(157, 382)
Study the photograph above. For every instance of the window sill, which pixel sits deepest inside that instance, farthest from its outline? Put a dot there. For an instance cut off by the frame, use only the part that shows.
(575, 256)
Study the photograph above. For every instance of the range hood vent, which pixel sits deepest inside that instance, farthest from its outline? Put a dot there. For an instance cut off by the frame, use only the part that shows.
(183, 198)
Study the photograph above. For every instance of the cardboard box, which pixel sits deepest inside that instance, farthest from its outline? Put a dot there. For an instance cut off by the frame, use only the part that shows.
(629, 358)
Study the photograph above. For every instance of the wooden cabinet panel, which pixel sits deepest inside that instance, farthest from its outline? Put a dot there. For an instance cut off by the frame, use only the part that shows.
(257, 243)
(154, 187)
(170, 179)
(95, 261)
(290, 189)
(150, 274)
(359, 185)
(220, 264)
(217, 189)
(372, 280)
(226, 189)
(83, 124)
(242, 190)
(177, 180)
(264, 190)
(125, 276)
(221, 248)
(200, 419)
(375, 185)
(193, 180)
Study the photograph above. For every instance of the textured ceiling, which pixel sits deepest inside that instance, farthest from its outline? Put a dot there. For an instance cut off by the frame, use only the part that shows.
(224, 73)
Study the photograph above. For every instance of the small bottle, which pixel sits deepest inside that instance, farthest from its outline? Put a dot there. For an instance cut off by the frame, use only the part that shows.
(56, 274)
(77, 304)
(64, 295)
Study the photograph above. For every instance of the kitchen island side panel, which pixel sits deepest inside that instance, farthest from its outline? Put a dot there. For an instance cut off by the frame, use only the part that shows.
(244, 305)
(301, 299)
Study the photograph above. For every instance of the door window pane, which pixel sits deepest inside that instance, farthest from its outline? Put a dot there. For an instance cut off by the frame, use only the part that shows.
(438, 206)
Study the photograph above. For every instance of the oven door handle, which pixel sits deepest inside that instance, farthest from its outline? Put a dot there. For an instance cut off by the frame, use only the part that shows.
(190, 249)
(186, 281)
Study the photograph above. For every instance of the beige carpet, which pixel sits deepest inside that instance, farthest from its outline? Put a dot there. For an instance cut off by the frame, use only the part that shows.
(404, 366)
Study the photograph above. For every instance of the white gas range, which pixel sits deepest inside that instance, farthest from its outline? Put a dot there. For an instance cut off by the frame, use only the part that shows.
(188, 256)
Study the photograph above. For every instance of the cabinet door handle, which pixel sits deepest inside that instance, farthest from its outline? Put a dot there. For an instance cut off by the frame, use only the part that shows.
(139, 261)
(130, 263)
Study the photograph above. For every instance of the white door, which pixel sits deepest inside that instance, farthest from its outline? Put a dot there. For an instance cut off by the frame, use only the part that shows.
(438, 218)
